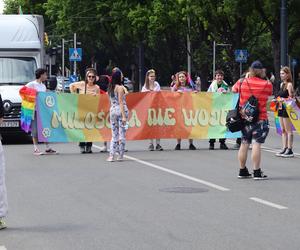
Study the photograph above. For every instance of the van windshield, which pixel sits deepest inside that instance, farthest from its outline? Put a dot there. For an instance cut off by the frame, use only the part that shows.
(17, 70)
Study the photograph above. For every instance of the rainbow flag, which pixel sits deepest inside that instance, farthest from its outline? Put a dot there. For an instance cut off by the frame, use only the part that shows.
(288, 104)
(28, 96)
(293, 110)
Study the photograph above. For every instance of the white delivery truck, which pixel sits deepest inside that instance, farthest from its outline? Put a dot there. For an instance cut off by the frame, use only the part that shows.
(21, 53)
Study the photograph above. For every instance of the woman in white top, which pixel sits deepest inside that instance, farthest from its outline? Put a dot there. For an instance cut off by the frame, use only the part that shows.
(88, 87)
(149, 86)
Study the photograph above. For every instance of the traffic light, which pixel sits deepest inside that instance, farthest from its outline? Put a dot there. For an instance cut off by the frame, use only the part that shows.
(46, 39)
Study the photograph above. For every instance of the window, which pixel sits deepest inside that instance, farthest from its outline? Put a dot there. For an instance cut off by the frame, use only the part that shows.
(17, 70)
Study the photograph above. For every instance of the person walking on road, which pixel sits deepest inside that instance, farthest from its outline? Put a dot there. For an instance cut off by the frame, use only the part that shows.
(286, 91)
(118, 116)
(89, 87)
(257, 131)
(3, 193)
(152, 86)
(39, 86)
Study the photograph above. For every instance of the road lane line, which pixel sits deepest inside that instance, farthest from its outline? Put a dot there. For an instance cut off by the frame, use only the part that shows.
(3, 248)
(267, 203)
(209, 184)
(267, 149)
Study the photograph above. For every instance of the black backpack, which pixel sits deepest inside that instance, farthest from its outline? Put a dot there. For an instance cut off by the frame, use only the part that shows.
(250, 110)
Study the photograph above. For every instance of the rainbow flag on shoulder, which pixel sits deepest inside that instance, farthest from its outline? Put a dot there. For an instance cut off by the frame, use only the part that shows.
(28, 96)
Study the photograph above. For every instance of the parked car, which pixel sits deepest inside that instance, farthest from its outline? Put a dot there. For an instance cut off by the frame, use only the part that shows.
(63, 83)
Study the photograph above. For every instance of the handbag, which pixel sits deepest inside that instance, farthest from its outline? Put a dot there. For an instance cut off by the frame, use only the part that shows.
(234, 121)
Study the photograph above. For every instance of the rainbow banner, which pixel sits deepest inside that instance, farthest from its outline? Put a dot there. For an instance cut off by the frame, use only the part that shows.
(293, 110)
(72, 118)
(28, 96)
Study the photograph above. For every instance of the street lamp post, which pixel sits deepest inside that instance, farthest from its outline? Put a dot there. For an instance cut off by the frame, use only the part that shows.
(75, 49)
(63, 57)
(214, 53)
(283, 33)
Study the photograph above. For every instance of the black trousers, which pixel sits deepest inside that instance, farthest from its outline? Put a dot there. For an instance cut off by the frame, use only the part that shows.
(212, 141)
(85, 144)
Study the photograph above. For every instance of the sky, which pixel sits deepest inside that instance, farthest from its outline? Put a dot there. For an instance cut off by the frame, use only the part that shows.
(1, 6)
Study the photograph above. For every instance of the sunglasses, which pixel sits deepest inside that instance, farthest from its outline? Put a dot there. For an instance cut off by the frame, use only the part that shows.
(91, 76)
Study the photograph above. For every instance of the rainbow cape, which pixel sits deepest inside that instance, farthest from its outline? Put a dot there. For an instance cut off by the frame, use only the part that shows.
(28, 96)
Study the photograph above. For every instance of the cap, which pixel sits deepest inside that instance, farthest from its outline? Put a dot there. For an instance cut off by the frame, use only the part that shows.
(257, 65)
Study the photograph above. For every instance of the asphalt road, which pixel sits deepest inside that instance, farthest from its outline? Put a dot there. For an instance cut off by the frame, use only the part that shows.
(153, 200)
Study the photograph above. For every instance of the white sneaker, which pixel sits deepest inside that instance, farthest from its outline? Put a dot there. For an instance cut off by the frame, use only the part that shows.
(110, 159)
(120, 158)
(38, 152)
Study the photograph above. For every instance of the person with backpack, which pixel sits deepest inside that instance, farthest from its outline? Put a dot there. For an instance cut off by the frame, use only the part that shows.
(254, 92)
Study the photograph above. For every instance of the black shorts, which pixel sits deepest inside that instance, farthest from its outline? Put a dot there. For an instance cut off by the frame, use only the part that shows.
(257, 131)
(282, 113)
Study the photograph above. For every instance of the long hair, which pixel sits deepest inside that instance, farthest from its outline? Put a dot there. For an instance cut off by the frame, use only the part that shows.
(150, 71)
(287, 70)
(116, 79)
(90, 70)
(260, 73)
(177, 84)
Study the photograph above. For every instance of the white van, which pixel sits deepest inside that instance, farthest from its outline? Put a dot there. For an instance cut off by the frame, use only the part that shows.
(21, 53)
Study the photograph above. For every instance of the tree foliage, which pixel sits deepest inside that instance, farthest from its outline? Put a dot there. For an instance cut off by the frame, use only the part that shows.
(112, 31)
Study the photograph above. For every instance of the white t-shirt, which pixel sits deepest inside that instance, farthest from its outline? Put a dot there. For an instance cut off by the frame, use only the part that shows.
(39, 87)
(156, 88)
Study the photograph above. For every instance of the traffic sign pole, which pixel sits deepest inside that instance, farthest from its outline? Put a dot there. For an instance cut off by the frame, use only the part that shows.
(241, 68)
(75, 50)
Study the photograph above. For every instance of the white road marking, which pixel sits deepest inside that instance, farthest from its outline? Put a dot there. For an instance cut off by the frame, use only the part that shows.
(267, 203)
(267, 149)
(3, 248)
(209, 184)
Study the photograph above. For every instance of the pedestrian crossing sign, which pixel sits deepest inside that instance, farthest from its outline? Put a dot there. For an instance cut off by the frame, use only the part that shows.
(241, 55)
(75, 54)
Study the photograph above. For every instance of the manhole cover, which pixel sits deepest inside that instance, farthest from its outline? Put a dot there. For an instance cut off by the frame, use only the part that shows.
(183, 190)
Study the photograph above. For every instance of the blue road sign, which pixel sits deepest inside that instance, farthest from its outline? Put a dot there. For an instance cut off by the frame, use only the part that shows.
(241, 55)
(75, 54)
(73, 78)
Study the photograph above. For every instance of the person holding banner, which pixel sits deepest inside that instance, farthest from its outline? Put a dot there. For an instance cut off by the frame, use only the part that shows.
(39, 86)
(183, 83)
(286, 91)
(88, 87)
(218, 85)
(118, 116)
(150, 86)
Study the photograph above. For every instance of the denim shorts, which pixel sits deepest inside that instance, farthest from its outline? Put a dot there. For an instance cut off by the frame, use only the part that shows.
(257, 132)
(34, 129)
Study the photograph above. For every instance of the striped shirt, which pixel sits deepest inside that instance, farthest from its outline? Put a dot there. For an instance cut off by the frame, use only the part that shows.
(260, 88)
